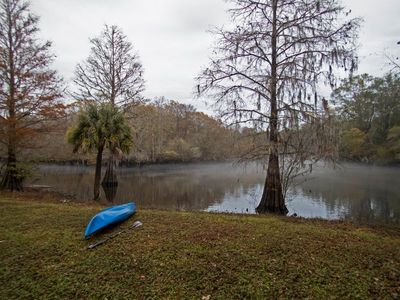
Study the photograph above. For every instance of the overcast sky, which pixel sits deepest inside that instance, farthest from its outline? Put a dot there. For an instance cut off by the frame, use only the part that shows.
(172, 40)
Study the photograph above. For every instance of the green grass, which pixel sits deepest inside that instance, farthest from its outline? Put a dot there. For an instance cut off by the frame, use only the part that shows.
(190, 255)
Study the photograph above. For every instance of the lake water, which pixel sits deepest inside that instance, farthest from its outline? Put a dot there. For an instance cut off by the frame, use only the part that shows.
(364, 194)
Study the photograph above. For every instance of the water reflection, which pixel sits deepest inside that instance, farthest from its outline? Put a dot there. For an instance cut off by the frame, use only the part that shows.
(110, 191)
(360, 193)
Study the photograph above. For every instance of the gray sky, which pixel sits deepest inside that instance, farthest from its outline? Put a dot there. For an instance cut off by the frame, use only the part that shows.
(171, 39)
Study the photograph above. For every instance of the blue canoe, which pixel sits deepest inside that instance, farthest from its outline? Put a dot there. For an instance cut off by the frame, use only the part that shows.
(108, 216)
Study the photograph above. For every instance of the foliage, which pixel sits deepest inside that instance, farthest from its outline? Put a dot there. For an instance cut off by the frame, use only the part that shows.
(181, 255)
(369, 111)
(100, 126)
(393, 143)
(182, 150)
(170, 131)
(353, 143)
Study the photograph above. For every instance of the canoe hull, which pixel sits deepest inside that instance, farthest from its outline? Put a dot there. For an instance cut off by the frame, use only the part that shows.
(109, 216)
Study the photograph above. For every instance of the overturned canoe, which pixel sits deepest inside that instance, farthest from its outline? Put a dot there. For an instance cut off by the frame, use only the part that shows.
(108, 216)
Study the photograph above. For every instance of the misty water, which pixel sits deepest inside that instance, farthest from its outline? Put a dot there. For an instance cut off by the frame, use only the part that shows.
(364, 194)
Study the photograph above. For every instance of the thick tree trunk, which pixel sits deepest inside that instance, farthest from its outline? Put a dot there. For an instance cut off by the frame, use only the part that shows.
(97, 175)
(110, 177)
(272, 200)
(110, 191)
(11, 179)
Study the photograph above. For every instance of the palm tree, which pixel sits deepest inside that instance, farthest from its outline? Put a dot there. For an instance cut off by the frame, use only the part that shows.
(99, 127)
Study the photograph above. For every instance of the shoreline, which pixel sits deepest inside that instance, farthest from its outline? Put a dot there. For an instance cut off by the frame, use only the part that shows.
(190, 255)
(54, 197)
(50, 194)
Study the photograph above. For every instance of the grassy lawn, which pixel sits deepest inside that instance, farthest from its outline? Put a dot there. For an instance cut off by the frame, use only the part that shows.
(190, 255)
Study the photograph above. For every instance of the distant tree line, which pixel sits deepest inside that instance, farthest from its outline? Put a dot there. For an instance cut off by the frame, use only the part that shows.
(367, 116)
(162, 131)
(171, 131)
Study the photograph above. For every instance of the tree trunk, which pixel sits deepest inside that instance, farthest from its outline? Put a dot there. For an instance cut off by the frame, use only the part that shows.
(110, 191)
(110, 177)
(97, 175)
(11, 180)
(272, 200)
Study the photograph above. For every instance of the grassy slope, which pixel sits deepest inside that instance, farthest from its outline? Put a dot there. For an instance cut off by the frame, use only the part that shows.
(191, 255)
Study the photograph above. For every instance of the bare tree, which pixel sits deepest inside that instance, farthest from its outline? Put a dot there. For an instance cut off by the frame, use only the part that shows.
(111, 74)
(267, 67)
(29, 90)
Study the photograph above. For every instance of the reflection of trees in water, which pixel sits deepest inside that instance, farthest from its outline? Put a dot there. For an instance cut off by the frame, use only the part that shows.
(182, 192)
(374, 206)
(185, 188)
(74, 181)
(365, 194)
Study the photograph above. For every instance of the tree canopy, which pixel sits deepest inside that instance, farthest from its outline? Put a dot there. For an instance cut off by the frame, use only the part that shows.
(267, 67)
(369, 111)
(99, 127)
(30, 90)
(112, 72)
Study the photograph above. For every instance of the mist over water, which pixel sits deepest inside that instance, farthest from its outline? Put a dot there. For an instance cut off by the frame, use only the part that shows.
(364, 194)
